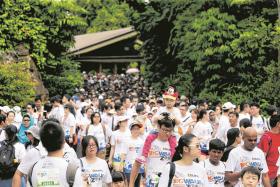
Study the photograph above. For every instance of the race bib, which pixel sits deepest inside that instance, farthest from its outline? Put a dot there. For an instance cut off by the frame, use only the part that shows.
(48, 177)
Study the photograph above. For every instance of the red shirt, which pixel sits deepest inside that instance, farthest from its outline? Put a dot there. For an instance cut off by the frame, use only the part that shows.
(270, 144)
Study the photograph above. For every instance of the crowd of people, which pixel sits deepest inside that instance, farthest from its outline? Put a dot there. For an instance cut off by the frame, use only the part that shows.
(118, 132)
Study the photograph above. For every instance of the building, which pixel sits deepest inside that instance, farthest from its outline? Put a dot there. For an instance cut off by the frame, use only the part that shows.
(108, 51)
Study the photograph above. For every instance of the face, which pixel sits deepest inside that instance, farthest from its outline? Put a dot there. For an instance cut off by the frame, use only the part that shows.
(250, 142)
(89, 112)
(254, 110)
(218, 110)
(66, 110)
(29, 109)
(38, 103)
(183, 110)
(29, 136)
(26, 121)
(118, 184)
(194, 148)
(250, 180)
(194, 115)
(127, 103)
(215, 155)
(212, 116)
(169, 102)
(96, 118)
(165, 132)
(123, 123)
(91, 149)
(135, 131)
(232, 119)
(64, 100)
(11, 116)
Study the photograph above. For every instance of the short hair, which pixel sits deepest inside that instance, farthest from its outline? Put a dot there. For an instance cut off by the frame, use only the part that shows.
(118, 106)
(255, 104)
(271, 109)
(85, 143)
(52, 136)
(243, 105)
(274, 120)
(124, 98)
(117, 176)
(67, 96)
(2, 118)
(56, 98)
(245, 123)
(38, 98)
(11, 112)
(252, 170)
(234, 113)
(31, 104)
(166, 120)
(217, 144)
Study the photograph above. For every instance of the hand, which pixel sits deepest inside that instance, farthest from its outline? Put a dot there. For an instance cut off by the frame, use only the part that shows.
(110, 163)
(70, 140)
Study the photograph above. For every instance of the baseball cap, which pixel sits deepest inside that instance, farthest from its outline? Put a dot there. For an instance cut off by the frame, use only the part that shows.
(34, 130)
(228, 105)
(138, 121)
(122, 118)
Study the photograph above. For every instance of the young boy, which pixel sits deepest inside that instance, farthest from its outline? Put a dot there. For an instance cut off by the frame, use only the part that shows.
(214, 167)
(250, 176)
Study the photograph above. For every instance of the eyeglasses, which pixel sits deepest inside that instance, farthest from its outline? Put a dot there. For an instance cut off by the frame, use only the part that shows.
(252, 140)
(92, 146)
(26, 120)
(167, 130)
(96, 116)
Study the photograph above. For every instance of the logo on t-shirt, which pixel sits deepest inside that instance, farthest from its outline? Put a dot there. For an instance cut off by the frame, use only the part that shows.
(96, 175)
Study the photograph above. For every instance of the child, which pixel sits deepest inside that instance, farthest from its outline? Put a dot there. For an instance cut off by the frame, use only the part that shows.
(118, 179)
(250, 176)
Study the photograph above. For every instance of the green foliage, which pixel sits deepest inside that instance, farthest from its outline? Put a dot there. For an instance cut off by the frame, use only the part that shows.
(215, 49)
(16, 86)
(66, 78)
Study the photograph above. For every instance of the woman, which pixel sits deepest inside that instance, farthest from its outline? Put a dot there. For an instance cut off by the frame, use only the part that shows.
(98, 130)
(33, 137)
(119, 137)
(95, 171)
(187, 172)
(19, 152)
(191, 122)
(203, 130)
(10, 118)
(25, 125)
(68, 123)
(234, 139)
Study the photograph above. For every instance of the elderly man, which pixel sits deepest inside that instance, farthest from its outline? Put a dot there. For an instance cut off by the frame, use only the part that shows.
(247, 155)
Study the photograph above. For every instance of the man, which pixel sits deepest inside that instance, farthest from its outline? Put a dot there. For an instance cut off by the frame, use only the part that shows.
(52, 168)
(257, 120)
(214, 167)
(233, 122)
(185, 115)
(269, 144)
(126, 103)
(34, 154)
(224, 120)
(246, 155)
(245, 111)
(57, 111)
(156, 153)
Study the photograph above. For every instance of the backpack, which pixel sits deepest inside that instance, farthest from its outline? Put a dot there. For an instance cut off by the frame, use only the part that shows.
(8, 166)
(70, 173)
(171, 173)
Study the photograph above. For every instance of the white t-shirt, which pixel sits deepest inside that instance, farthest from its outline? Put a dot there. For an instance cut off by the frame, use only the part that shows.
(215, 174)
(259, 123)
(97, 173)
(52, 171)
(118, 140)
(68, 123)
(243, 116)
(34, 154)
(133, 149)
(240, 158)
(223, 125)
(203, 131)
(158, 156)
(193, 175)
(97, 131)
(175, 112)
(57, 113)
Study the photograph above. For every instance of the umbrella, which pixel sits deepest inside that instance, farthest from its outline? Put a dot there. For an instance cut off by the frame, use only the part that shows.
(132, 70)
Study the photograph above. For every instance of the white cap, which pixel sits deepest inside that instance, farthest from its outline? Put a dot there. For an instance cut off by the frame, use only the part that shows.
(228, 105)
(122, 118)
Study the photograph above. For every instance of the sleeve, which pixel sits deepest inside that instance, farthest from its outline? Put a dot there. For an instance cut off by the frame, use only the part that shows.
(20, 152)
(164, 178)
(264, 164)
(78, 179)
(196, 130)
(107, 178)
(113, 139)
(231, 162)
(264, 143)
(28, 161)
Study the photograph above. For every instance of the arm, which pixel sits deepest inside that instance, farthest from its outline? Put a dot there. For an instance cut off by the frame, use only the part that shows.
(17, 179)
(232, 176)
(112, 152)
(134, 173)
(266, 180)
